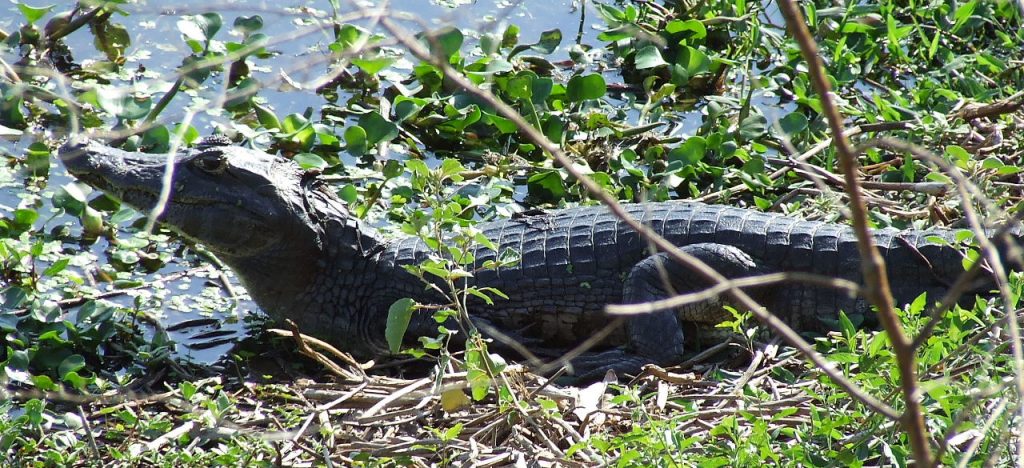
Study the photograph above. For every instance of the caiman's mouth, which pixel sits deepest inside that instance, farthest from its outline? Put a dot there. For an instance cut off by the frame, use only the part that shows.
(143, 198)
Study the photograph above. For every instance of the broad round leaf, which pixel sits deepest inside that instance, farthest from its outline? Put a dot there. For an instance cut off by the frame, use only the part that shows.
(582, 87)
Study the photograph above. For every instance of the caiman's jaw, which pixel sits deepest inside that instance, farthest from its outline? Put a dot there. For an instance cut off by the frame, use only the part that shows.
(237, 202)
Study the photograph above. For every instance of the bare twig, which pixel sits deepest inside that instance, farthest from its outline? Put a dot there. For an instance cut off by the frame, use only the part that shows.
(680, 300)
(872, 265)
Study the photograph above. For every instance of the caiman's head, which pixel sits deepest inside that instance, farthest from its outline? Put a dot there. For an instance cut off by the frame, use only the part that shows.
(281, 229)
(236, 201)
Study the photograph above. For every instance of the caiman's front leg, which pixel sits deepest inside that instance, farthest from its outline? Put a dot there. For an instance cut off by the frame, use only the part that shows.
(658, 337)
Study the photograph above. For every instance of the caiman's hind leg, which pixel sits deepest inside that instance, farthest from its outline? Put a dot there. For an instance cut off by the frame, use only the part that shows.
(658, 337)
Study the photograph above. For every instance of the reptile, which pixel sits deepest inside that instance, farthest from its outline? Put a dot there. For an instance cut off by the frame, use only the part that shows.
(303, 256)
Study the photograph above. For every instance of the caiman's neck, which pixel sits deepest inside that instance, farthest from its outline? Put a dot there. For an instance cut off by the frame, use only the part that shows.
(298, 277)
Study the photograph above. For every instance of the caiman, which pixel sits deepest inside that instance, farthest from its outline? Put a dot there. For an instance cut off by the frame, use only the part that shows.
(303, 256)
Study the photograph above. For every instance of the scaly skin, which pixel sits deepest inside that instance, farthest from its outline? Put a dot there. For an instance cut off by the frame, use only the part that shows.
(302, 256)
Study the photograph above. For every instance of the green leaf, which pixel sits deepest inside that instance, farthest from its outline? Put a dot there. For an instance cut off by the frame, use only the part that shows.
(476, 292)
(310, 161)
(695, 27)
(693, 61)
(546, 186)
(399, 315)
(25, 217)
(373, 65)
(793, 123)
(583, 87)
(71, 363)
(549, 41)
(846, 326)
(57, 267)
(348, 193)
(407, 107)
(266, 117)
(32, 14)
(450, 167)
(122, 105)
(355, 141)
(71, 197)
(377, 128)
(649, 57)
(963, 14)
(112, 39)
(753, 126)
(248, 24)
(445, 42)
(970, 258)
(44, 383)
(690, 152)
(959, 155)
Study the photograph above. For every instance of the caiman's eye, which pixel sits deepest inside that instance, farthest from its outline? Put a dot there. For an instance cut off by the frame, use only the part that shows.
(213, 162)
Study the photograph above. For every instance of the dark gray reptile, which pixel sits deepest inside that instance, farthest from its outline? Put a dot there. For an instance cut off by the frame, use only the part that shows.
(302, 256)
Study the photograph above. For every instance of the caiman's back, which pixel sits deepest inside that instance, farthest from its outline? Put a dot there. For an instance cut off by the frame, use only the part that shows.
(575, 261)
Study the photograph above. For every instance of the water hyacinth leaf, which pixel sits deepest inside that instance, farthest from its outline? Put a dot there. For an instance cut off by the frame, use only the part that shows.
(690, 152)
(753, 126)
(157, 139)
(200, 28)
(70, 197)
(546, 186)
(248, 24)
(348, 193)
(242, 93)
(489, 43)
(549, 41)
(649, 57)
(407, 107)
(694, 61)
(373, 65)
(520, 86)
(793, 123)
(392, 169)
(266, 117)
(122, 105)
(503, 125)
(24, 217)
(92, 222)
(541, 89)
(37, 158)
(309, 161)
(195, 70)
(694, 27)
(32, 14)
(444, 42)
(498, 65)
(377, 128)
(110, 38)
(583, 87)
(355, 140)
(510, 36)
(293, 123)
(71, 363)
